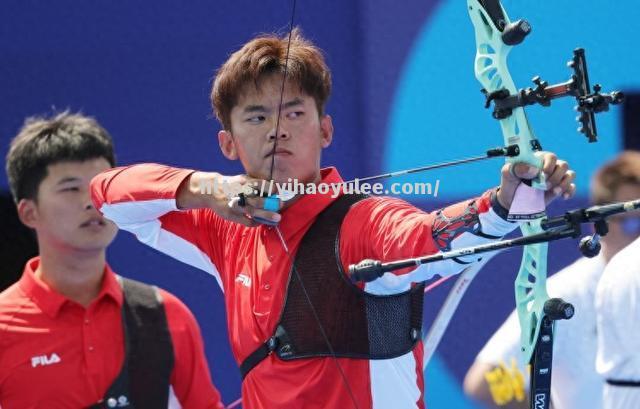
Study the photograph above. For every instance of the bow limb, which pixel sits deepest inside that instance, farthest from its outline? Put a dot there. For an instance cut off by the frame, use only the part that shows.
(490, 20)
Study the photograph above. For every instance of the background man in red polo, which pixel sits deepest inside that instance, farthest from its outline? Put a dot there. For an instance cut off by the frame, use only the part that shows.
(276, 126)
(61, 325)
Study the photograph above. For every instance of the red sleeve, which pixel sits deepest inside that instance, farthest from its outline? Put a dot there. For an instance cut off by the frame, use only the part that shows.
(386, 229)
(191, 379)
(141, 199)
(136, 183)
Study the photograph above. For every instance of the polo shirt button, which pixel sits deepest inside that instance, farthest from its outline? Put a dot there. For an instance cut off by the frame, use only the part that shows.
(267, 287)
(86, 321)
(271, 258)
(90, 349)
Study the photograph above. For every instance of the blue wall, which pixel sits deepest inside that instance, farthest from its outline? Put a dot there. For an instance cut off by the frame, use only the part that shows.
(404, 95)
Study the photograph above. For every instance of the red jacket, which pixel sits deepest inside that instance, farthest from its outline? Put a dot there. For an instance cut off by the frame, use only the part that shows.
(252, 269)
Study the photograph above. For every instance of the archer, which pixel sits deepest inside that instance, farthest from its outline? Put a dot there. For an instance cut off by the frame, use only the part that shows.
(302, 333)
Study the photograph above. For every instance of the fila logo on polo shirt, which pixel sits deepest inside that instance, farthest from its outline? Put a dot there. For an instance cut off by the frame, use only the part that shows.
(243, 279)
(45, 360)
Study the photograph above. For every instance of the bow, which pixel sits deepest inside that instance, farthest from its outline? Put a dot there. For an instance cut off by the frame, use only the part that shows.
(495, 37)
(492, 27)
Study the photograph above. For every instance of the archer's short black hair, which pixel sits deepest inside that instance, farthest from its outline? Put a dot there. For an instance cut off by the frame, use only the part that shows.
(46, 141)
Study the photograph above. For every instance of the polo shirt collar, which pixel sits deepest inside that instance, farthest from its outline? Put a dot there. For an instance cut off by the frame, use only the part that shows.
(50, 301)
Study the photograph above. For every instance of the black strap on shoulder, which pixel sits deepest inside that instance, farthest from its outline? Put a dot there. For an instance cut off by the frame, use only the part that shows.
(619, 382)
(143, 381)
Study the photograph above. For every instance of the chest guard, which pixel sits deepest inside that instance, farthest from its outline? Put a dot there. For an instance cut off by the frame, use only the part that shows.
(357, 324)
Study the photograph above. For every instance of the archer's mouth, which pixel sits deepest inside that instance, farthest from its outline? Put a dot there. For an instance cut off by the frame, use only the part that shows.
(278, 153)
(94, 221)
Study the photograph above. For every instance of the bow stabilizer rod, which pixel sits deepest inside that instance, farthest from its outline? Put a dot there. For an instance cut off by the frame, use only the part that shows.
(554, 228)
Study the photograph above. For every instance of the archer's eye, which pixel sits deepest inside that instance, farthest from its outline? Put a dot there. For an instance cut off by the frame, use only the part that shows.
(256, 119)
(71, 189)
(295, 114)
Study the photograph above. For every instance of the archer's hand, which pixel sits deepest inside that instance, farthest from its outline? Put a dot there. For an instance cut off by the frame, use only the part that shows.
(558, 176)
(220, 193)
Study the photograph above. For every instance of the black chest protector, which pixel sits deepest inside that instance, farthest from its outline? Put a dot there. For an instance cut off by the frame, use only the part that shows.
(357, 324)
(143, 382)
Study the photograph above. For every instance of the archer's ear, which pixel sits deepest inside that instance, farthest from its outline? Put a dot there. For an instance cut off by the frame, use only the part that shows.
(326, 127)
(28, 212)
(227, 146)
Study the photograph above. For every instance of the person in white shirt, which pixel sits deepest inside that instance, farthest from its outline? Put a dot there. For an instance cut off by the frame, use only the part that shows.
(499, 378)
(618, 326)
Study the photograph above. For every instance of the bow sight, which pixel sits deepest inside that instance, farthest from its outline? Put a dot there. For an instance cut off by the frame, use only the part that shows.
(589, 102)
